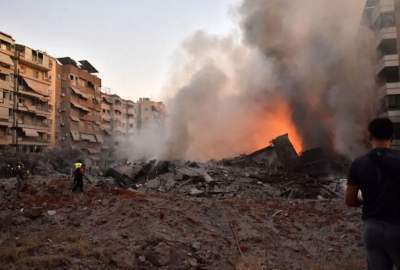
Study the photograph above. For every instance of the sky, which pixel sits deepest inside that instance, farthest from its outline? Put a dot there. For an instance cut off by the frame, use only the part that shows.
(131, 42)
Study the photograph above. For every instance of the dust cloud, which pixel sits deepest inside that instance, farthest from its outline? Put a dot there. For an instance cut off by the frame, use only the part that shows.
(295, 66)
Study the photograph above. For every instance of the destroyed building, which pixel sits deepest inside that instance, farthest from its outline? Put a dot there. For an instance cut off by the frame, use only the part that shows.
(380, 17)
(79, 111)
(28, 96)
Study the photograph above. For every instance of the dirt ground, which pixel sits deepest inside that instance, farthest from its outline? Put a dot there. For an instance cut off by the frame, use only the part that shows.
(48, 227)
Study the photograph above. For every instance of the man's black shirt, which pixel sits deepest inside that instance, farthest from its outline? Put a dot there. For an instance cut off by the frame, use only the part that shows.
(377, 174)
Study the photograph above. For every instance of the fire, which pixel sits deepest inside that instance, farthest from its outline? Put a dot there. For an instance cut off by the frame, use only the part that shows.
(275, 123)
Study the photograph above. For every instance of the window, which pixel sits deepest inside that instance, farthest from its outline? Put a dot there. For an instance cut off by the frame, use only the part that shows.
(71, 77)
(34, 56)
(3, 77)
(388, 46)
(396, 131)
(36, 74)
(393, 102)
(386, 19)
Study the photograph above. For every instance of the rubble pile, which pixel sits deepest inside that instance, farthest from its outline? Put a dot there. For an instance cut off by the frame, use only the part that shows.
(275, 171)
(271, 209)
(45, 163)
(112, 228)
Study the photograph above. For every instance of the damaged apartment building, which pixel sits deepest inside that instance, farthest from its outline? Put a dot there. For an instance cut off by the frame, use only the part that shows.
(383, 18)
(79, 106)
(48, 102)
(118, 118)
(27, 97)
(150, 112)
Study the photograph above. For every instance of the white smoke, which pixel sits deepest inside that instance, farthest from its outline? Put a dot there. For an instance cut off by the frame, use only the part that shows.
(227, 91)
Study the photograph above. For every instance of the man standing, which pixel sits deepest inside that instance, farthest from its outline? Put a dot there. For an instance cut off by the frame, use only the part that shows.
(78, 174)
(377, 175)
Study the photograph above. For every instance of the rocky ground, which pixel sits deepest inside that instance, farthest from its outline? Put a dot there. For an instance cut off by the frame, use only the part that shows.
(107, 227)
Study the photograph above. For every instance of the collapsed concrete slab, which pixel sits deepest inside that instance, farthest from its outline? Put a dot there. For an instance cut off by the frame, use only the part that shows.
(285, 151)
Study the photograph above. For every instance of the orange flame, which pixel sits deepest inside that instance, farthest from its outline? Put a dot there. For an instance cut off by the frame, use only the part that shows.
(275, 123)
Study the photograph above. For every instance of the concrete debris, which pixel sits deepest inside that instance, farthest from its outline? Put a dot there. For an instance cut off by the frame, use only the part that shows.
(285, 151)
(115, 228)
(51, 212)
(275, 171)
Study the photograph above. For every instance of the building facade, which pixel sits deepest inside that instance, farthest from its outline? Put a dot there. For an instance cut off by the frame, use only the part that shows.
(118, 118)
(79, 107)
(28, 88)
(47, 102)
(383, 18)
(149, 113)
(7, 51)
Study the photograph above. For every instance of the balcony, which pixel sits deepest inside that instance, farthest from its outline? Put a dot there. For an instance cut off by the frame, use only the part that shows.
(7, 84)
(106, 118)
(5, 140)
(391, 60)
(131, 112)
(389, 89)
(32, 141)
(35, 63)
(385, 33)
(382, 7)
(32, 94)
(39, 127)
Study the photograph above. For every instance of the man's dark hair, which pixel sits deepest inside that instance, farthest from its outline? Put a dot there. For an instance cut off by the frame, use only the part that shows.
(381, 129)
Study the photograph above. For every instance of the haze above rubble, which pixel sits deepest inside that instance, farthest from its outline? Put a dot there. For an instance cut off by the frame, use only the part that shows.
(294, 68)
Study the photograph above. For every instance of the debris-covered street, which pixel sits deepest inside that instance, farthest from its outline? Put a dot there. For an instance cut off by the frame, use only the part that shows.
(112, 228)
(254, 211)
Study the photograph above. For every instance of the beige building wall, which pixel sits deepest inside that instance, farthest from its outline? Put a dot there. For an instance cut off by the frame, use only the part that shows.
(150, 112)
(79, 121)
(34, 108)
(383, 18)
(7, 44)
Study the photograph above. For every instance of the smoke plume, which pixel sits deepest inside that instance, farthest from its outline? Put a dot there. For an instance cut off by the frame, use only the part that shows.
(296, 67)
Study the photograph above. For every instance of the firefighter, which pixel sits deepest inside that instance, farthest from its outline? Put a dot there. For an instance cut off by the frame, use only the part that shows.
(78, 174)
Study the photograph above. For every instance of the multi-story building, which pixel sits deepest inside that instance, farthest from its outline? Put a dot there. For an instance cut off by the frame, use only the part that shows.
(47, 102)
(80, 102)
(118, 117)
(7, 45)
(27, 85)
(383, 18)
(150, 112)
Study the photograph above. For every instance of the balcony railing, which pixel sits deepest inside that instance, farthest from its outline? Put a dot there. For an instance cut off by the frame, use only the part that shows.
(389, 89)
(5, 139)
(390, 60)
(386, 33)
(382, 7)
